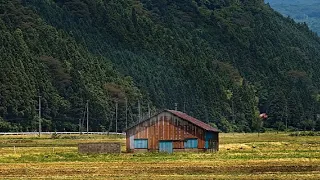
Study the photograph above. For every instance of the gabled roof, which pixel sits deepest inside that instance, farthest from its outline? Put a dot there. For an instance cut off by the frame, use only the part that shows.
(193, 120)
(186, 117)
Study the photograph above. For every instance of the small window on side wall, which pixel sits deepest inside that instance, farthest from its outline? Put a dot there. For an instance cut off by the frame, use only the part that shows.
(191, 143)
(141, 143)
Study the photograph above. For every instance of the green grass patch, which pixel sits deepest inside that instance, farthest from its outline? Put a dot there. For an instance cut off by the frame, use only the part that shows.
(241, 156)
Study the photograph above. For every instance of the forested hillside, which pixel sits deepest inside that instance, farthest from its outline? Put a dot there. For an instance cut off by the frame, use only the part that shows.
(221, 61)
(39, 60)
(306, 11)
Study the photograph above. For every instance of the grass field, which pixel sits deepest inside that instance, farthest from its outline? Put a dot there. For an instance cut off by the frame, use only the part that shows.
(241, 156)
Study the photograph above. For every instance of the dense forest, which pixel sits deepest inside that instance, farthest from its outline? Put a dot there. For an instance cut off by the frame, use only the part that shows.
(306, 11)
(39, 60)
(222, 61)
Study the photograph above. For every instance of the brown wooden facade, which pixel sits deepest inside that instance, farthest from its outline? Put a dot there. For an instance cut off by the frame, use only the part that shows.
(167, 126)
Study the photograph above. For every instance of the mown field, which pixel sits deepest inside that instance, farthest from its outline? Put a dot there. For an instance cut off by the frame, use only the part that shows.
(241, 156)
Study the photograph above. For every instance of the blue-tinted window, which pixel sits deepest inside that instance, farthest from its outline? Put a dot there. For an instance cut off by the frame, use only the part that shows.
(191, 143)
(141, 144)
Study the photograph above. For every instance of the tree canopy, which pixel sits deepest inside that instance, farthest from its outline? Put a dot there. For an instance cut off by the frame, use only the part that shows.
(222, 61)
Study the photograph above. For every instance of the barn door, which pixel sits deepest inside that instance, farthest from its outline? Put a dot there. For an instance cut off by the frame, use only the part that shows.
(166, 146)
(212, 145)
(211, 141)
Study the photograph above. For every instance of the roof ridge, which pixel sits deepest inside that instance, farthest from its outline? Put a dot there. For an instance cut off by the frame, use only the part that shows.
(193, 120)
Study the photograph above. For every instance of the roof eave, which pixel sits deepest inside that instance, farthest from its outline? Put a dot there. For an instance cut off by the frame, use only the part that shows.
(167, 110)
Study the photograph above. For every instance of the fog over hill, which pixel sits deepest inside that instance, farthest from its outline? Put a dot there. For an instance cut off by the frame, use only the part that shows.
(307, 11)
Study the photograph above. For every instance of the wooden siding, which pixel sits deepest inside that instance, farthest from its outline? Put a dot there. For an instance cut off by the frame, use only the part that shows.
(166, 127)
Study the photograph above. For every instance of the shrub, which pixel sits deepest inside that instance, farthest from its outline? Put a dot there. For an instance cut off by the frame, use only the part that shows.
(55, 136)
(305, 133)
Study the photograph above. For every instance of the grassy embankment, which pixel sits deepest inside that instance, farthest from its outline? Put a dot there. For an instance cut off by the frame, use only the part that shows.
(241, 156)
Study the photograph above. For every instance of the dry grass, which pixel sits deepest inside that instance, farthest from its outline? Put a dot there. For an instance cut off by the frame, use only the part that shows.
(242, 156)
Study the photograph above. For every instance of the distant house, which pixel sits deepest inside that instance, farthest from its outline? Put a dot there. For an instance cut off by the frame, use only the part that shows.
(172, 131)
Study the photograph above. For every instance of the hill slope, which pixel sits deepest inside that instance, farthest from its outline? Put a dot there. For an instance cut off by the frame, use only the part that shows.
(223, 61)
(37, 59)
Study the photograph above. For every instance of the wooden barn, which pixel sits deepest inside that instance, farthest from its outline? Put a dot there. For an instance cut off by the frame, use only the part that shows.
(172, 131)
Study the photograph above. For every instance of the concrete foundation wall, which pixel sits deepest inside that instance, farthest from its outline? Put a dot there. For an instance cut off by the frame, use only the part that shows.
(174, 150)
(193, 150)
(141, 150)
(178, 150)
(99, 148)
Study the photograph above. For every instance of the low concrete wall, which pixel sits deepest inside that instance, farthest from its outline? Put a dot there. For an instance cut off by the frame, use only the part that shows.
(174, 150)
(189, 150)
(211, 150)
(140, 150)
(193, 150)
(178, 150)
(99, 148)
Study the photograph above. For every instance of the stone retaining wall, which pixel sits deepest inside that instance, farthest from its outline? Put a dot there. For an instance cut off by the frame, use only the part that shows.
(99, 148)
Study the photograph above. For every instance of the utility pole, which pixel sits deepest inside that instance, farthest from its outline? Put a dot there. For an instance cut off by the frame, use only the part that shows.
(286, 116)
(126, 113)
(39, 106)
(233, 117)
(149, 111)
(80, 126)
(88, 117)
(184, 106)
(82, 120)
(139, 111)
(116, 116)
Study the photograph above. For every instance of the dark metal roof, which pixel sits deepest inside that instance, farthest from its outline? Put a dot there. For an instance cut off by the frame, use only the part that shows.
(186, 117)
(193, 120)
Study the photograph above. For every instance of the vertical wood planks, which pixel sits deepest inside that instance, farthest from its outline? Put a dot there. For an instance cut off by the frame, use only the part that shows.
(166, 127)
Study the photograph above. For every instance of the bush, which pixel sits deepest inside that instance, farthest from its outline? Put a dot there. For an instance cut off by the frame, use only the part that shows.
(55, 136)
(305, 133)
(4, 126)
(70, 137)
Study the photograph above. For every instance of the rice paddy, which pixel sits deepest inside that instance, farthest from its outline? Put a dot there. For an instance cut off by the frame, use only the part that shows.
(241, 156)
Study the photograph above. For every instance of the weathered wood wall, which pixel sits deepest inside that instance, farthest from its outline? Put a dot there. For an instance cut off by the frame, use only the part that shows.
(166, 126)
